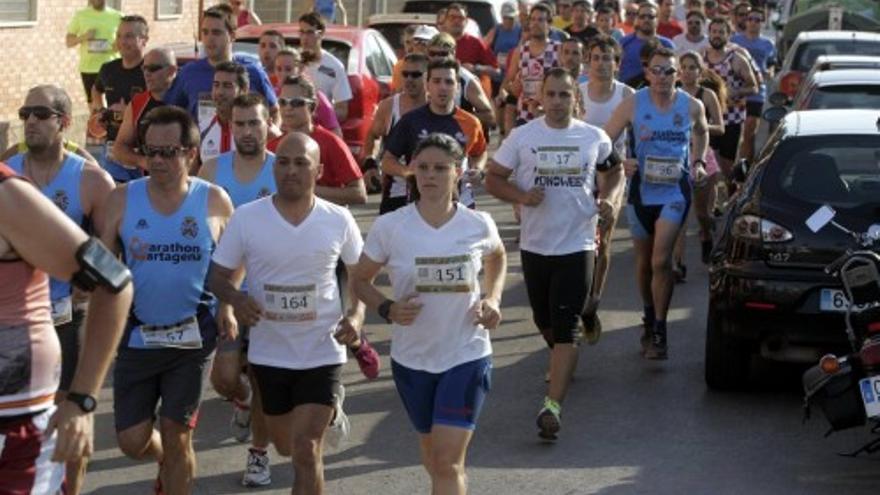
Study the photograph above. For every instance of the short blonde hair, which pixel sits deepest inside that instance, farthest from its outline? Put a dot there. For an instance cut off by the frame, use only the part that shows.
(444, 40)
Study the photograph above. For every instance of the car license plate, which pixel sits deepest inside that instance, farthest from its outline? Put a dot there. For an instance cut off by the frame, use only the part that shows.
(834, 300)
(871, 395)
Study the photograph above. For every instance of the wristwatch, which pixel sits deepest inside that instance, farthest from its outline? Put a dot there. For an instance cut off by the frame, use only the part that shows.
(700, 161)
(384, 310)
(85, 401)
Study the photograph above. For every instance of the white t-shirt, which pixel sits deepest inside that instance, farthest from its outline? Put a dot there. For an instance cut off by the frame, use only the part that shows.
(683, 44)
(291, 273)
(442, 266)
(330, 76)
(563, 162)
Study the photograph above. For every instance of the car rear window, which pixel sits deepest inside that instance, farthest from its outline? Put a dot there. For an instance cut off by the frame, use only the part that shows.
(480, 12)
(393, 33)
(808, 52)
(840, 171)
(336, 48)
(845, 96)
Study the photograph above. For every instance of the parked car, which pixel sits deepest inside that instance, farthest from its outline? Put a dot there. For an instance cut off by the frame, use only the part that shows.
(838, 62)
(768, 293)
(392, 25)
(836, 89)
(796, 16)
(364, 52)
(487, 13)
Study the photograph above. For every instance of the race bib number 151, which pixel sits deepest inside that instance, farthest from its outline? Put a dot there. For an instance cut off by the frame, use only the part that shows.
(445, 274)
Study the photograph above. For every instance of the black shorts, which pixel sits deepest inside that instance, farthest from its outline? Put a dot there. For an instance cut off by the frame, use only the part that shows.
(388, 204)
(88, 81)
(283, 389)
(753, 108)
(557, 287)
(728, 143)
(68, 337)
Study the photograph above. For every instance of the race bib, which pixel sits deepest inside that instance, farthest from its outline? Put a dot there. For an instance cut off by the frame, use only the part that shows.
(206, 108)
(290, 303)
(445, 274)
(662, 170)
(555, 161)
(531, 87)
(183, 335)
(99, 46)
(62, 311)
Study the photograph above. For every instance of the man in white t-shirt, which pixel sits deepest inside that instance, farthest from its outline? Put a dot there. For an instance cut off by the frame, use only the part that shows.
(556, 159)
(694, 38)
(289, 244)
(324, 69)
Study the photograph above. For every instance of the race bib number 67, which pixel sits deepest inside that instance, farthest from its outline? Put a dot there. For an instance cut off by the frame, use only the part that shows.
(444, 274)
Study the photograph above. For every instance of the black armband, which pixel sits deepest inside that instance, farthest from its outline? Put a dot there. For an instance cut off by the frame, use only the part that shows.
(98, 266)
(612, 161)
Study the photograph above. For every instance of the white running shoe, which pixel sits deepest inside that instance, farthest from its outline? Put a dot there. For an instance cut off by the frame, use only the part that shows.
(257, 472)
(240, 424)
(340, 427)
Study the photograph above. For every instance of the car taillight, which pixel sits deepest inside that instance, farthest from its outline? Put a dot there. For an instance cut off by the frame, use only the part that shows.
(869, 355)
(789, 83)
(755, 228)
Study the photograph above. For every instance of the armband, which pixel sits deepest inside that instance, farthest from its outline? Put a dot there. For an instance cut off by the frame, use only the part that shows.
(612, 161)
(98, 266)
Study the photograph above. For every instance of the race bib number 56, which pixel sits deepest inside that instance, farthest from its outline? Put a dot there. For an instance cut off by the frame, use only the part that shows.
(445, 274)
(290, 303)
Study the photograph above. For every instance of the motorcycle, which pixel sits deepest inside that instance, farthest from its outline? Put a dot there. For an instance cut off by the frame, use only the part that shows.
(847, 388)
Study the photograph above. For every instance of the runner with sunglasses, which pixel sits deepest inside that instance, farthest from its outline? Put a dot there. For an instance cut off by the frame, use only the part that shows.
(645, 29)
(288, 63)
(666, 121)
(763, 52)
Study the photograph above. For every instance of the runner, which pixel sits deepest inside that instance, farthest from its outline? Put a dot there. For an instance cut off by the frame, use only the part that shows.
(600, 96)
(408, 43)
(388, 113)
(93, 29)
(667, 122)
(732, 64)
(571, 58)
(631, 44)
(564, 18)
(763, 53)
(230, 81)
(503, 40)
(582, 27)
(118, 81)
(160, 69)
(470, 96)
(606, 22)
(38, 437)
(192, 88)
(441, 114)
(434, 250)
(329, 9)
(290, 244)
(271, 42)
(324, 69)
(243, 15)
(470, 51)
(694, 39)
(288, 63)
(79, 189)
(166, 226)
(667, 25)
(558, 161)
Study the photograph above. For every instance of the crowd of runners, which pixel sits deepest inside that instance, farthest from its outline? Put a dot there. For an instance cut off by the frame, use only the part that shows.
(209, 241)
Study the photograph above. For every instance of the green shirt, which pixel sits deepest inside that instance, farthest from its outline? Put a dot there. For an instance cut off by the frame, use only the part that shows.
(94, 53)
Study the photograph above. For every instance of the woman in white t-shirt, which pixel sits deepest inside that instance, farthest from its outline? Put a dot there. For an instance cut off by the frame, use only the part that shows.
(433, 250)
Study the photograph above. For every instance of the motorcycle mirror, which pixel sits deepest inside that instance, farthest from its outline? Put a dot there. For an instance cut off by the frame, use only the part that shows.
(820, 218)
(874, 232)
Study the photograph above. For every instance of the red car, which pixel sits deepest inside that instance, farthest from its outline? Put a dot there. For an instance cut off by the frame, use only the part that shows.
(364, 52)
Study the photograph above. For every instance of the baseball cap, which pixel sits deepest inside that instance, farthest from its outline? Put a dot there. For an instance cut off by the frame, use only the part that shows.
(425, 33)
(509, 9)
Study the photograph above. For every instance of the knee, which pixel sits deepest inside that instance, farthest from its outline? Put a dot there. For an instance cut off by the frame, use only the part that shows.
(135, 441)
(306, 451)
(176, 440)
(446, 465)
(225, 379)
(661, 263)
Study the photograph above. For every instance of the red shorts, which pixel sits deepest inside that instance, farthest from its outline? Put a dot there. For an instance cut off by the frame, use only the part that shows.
(26, 456)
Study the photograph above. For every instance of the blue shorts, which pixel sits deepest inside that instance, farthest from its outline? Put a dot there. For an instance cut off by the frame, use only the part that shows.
(642, 218)
(118, 172)
(452, 398)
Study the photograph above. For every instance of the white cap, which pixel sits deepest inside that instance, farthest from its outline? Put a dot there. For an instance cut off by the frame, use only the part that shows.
(425, 33)
(509, 9)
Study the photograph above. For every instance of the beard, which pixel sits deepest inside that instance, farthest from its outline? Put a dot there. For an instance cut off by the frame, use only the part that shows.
(717, 43)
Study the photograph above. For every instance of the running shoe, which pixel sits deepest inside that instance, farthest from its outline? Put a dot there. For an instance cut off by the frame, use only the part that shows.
(340, 427)
(240, 424)
(592, 328)
(549, 419)
(368, 359)
(657, 349)
(257, 472)
(647, 332)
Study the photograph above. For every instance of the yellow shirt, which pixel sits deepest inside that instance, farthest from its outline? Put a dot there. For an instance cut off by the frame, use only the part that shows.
(101, 48)
(560, 23)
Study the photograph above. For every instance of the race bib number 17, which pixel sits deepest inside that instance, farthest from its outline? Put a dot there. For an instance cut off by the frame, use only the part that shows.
(557, 161)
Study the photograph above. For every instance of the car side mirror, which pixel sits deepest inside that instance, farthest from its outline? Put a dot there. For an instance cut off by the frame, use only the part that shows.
(778, 99)
(775, 114)
(820, 218)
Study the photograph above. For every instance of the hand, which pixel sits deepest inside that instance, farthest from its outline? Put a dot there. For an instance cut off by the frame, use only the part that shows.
(89, 35)
(405, 312)
(630, 166)
(487, 313)
(226, 322)
(533, 197)
(606, 211)
(700, 176)
(516, 87)
(75, 432)
(473, 177)
(247, 310)
(348, 330)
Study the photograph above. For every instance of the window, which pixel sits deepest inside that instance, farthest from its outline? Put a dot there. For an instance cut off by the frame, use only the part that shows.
(169, 9)
(378, 65)
(18, 12)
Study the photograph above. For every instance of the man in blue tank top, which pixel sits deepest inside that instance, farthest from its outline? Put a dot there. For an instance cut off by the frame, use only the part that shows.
(165, 226)
(665, 122)
(77, 188)
(246, 175)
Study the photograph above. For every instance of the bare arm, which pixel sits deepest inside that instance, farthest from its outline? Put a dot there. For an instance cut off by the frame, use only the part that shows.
(341, 13)
(208, 171)
(482, 106)
(511, 75)
(71, 40)
(95, 188)
(619, 119)
(353, 193)
(391, 166)
(499, 185)
(700, 134)
(378, 128)
(716, 123)
(744, 70)
(478, 162)
(494, 273)
(123, 148)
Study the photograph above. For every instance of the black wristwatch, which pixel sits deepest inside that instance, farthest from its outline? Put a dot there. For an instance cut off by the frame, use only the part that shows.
(85, 401)
(700, 161)
(384, 310)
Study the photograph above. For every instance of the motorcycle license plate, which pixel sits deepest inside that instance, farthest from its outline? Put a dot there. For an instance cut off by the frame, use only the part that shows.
(870, 388)
(835, 301)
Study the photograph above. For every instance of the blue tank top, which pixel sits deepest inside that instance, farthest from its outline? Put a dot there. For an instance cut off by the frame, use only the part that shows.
(662, 142)
(506, 40)
(263, 184)
(168, 256)
(64, 191)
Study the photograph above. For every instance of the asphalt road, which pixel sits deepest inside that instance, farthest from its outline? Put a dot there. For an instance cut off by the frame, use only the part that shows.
(629, 425)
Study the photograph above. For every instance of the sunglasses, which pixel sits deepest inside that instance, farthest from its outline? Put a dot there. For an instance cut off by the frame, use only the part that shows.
(162, 151)
(438, 54)
(647, 16)
(412, 74)
(756, 18)
(154, 67)
(40, 112)
(659, 70)
(295, 102)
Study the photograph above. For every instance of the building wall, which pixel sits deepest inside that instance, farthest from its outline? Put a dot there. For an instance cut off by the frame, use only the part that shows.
(276, 10)
(37, 54)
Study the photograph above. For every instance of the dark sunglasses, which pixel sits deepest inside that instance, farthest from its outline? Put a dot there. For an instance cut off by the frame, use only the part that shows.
(659, 70)
(295, 102)
(40, 112)
(412, 74)
(432, 53)
(647, 16)
(163, 151)
(154, 67)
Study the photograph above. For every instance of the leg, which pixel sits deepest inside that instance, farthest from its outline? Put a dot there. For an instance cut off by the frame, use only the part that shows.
(665, 235)
(448, 448)
(536, 275)
(179, 472)
(260, 438)
(570, 285)
(141, 442)
(308, 424)
(226, 377)
(750, 128)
